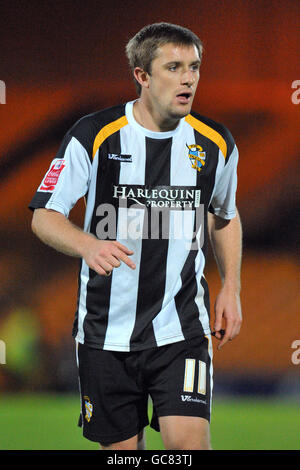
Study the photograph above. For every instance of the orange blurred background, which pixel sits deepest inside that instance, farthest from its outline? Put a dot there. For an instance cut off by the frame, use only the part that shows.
(61, 60)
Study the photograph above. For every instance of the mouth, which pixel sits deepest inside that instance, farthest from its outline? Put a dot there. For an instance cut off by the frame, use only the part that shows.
(184, 97)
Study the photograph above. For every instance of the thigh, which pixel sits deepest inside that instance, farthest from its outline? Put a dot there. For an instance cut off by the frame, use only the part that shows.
(136, 442)
(113, 404)
(185, 433)
(182, 381)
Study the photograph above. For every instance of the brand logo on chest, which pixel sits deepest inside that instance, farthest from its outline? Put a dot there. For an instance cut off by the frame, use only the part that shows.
(119, 157)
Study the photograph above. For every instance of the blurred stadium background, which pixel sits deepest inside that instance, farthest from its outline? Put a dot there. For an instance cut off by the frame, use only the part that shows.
(61, 60)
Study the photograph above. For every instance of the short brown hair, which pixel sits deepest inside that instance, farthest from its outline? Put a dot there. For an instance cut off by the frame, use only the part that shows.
(141, 49)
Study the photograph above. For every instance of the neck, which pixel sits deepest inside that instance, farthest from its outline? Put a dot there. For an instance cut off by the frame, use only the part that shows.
(152, 120)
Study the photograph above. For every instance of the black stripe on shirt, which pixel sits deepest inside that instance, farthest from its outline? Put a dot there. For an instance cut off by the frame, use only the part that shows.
(86, 128)
(206, 295)
(154, 251)
(221, 129)
(186, 306)
(206, 178)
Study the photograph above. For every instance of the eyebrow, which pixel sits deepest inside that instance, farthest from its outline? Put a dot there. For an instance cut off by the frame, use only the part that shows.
(176, 62)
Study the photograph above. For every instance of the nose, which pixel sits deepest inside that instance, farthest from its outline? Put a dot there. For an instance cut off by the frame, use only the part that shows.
(188, 78)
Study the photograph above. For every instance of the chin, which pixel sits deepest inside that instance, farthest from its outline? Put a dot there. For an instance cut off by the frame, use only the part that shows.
(180, 113)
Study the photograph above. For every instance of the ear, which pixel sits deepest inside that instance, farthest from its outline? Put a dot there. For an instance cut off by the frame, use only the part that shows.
(141, 77)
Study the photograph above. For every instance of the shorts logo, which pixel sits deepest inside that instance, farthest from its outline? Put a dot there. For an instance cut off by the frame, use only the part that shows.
(196, 156)
(188, 398)
(119, 157)
(52, 176)
(88, 408)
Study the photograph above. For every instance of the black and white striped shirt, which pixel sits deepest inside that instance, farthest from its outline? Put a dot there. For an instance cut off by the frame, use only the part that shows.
(151, 191)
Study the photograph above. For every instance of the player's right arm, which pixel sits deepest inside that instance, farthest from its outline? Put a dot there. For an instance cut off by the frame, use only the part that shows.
(66, 181)
(57, 231)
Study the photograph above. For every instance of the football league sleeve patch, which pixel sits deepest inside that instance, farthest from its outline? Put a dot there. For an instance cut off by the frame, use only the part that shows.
(66, 180)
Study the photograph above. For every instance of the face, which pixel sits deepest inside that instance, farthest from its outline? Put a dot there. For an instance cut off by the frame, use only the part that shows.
(173, 81)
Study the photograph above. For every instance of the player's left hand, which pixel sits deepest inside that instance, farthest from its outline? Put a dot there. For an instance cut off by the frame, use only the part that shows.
(227, 310)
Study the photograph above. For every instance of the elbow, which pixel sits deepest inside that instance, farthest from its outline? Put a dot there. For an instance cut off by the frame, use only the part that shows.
(34, 224)
(36, 221)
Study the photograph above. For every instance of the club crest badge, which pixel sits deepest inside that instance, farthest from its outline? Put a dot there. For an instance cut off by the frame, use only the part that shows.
(88, 408)
(196, 156)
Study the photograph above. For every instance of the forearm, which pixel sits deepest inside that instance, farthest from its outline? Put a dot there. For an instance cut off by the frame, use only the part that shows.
(226, 241)
(57, 231)
(54, 229)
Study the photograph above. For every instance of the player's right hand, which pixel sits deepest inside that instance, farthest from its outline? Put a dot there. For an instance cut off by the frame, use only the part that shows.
(104, 255)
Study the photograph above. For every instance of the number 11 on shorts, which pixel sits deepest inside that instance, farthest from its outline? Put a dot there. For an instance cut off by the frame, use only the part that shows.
(189, 376)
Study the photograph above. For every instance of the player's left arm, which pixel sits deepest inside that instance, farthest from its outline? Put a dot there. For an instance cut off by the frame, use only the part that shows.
(226, 240)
